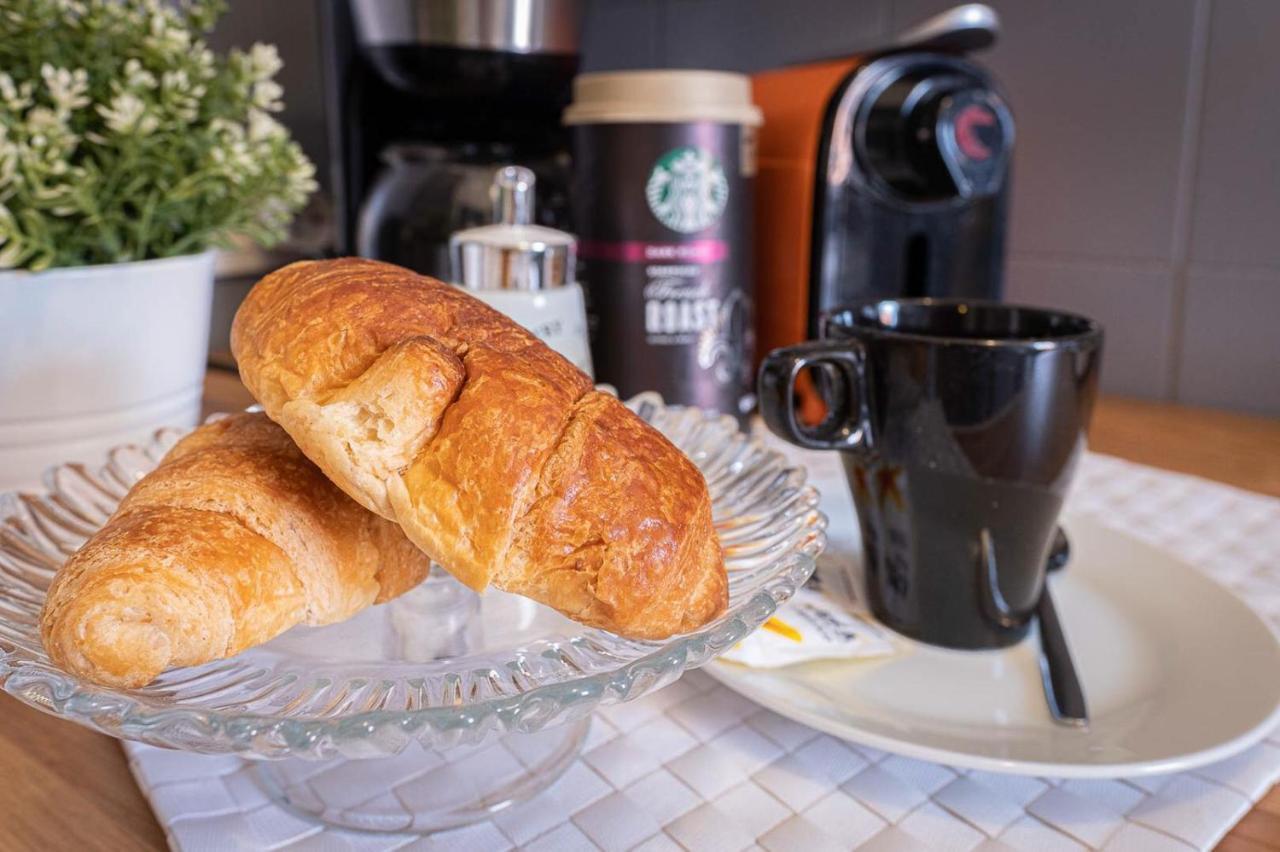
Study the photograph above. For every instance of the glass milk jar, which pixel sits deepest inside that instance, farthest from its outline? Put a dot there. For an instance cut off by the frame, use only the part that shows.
(525, 271)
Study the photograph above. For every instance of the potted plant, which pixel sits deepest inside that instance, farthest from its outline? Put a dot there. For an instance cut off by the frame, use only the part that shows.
(128, 151)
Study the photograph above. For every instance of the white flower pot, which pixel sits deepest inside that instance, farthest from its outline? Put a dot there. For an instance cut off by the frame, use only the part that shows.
(95, 356)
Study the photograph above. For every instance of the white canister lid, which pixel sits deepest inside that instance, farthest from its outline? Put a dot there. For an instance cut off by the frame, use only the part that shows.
(512, 253)
(662, 97)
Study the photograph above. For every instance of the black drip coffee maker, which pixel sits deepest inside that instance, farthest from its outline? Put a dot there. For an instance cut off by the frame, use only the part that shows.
(426, 99)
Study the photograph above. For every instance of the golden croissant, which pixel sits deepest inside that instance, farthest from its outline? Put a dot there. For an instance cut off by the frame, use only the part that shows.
(234, 538)
(496, 456)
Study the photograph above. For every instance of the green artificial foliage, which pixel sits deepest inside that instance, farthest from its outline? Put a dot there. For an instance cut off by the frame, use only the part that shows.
(124, 137)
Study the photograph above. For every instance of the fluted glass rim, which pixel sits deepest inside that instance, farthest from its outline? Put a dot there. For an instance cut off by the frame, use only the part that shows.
(765, 513)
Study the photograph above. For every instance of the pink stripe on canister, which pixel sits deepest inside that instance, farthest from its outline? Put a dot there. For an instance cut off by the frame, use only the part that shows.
(635, 251)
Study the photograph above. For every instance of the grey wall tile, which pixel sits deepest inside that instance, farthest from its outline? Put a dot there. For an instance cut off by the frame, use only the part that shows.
(751, 35)
(618, 34)
(1236, 217)
(1135, 306)
(1098, 89)
(1230, 353)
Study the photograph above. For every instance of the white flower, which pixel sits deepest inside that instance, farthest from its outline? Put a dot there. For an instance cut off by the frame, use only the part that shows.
(167, 34)
(43, 120)
(127, 114)
(267, 94)
(226, 129)
(182, 98)
(186, 111)
(15, 97)
(9, 154)
(303, 171)
(67, 89)
(204, 61)
(263, 127)
(175, 81)
(53, 193)
(137, 77)
(234, 160)
(264, 61)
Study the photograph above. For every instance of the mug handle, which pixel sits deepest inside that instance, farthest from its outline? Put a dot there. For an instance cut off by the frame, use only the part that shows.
(846, 426)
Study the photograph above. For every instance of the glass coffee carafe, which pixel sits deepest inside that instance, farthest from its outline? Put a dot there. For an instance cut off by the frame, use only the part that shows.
(427, 192)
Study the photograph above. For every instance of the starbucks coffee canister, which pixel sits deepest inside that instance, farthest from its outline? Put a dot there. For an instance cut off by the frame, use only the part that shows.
(664, 163)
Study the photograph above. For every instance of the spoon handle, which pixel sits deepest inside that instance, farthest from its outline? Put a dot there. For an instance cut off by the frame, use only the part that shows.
(1061, 684)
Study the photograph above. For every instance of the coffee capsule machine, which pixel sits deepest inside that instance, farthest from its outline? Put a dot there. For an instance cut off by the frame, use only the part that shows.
(426, 100)
(881, 175)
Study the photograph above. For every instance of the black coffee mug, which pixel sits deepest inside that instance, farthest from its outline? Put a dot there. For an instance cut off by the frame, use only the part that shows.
(959, 424)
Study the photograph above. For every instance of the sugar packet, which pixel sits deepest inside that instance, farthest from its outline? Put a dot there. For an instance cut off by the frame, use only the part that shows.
(811, 626)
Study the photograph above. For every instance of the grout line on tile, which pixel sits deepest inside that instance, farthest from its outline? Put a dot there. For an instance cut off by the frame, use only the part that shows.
(1085, 261)
(1245, 271)
(1192, 123)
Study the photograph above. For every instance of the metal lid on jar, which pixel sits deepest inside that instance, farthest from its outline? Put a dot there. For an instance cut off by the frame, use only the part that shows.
(512, 254)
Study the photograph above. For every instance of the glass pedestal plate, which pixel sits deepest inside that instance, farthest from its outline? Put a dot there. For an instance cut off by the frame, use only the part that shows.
(425, 713)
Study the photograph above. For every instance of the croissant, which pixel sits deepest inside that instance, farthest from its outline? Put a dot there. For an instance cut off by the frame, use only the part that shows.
(234, 538)
(496, 455)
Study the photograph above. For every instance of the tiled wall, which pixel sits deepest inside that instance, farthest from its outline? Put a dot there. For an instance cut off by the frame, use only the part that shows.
(1147, 173)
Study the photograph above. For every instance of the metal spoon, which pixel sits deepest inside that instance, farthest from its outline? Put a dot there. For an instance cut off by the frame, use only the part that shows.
(1061, 684)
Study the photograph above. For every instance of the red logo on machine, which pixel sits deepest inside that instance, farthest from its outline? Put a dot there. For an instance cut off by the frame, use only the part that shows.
(967, 123)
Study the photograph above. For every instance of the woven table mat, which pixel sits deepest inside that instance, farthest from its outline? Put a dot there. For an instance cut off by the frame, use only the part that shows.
(697, 767)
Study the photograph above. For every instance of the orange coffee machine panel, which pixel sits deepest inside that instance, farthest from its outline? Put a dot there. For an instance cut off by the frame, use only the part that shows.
(880, 176)
(795, 103)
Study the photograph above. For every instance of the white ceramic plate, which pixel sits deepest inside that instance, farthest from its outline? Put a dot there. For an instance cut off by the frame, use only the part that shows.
(1177, 672)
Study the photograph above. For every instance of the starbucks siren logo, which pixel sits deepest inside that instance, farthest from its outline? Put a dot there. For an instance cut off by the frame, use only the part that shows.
(687, 190)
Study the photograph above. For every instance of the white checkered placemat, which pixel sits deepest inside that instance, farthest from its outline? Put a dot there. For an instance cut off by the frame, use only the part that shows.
(697, 767)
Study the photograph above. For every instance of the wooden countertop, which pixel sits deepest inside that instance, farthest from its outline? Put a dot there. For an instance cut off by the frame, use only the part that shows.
(70, 788)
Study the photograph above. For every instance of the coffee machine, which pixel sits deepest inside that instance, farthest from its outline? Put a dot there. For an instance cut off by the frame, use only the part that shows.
(885, 174)
(426, 100)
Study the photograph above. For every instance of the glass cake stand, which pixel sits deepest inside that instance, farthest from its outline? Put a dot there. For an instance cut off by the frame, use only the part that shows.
(431, 711)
